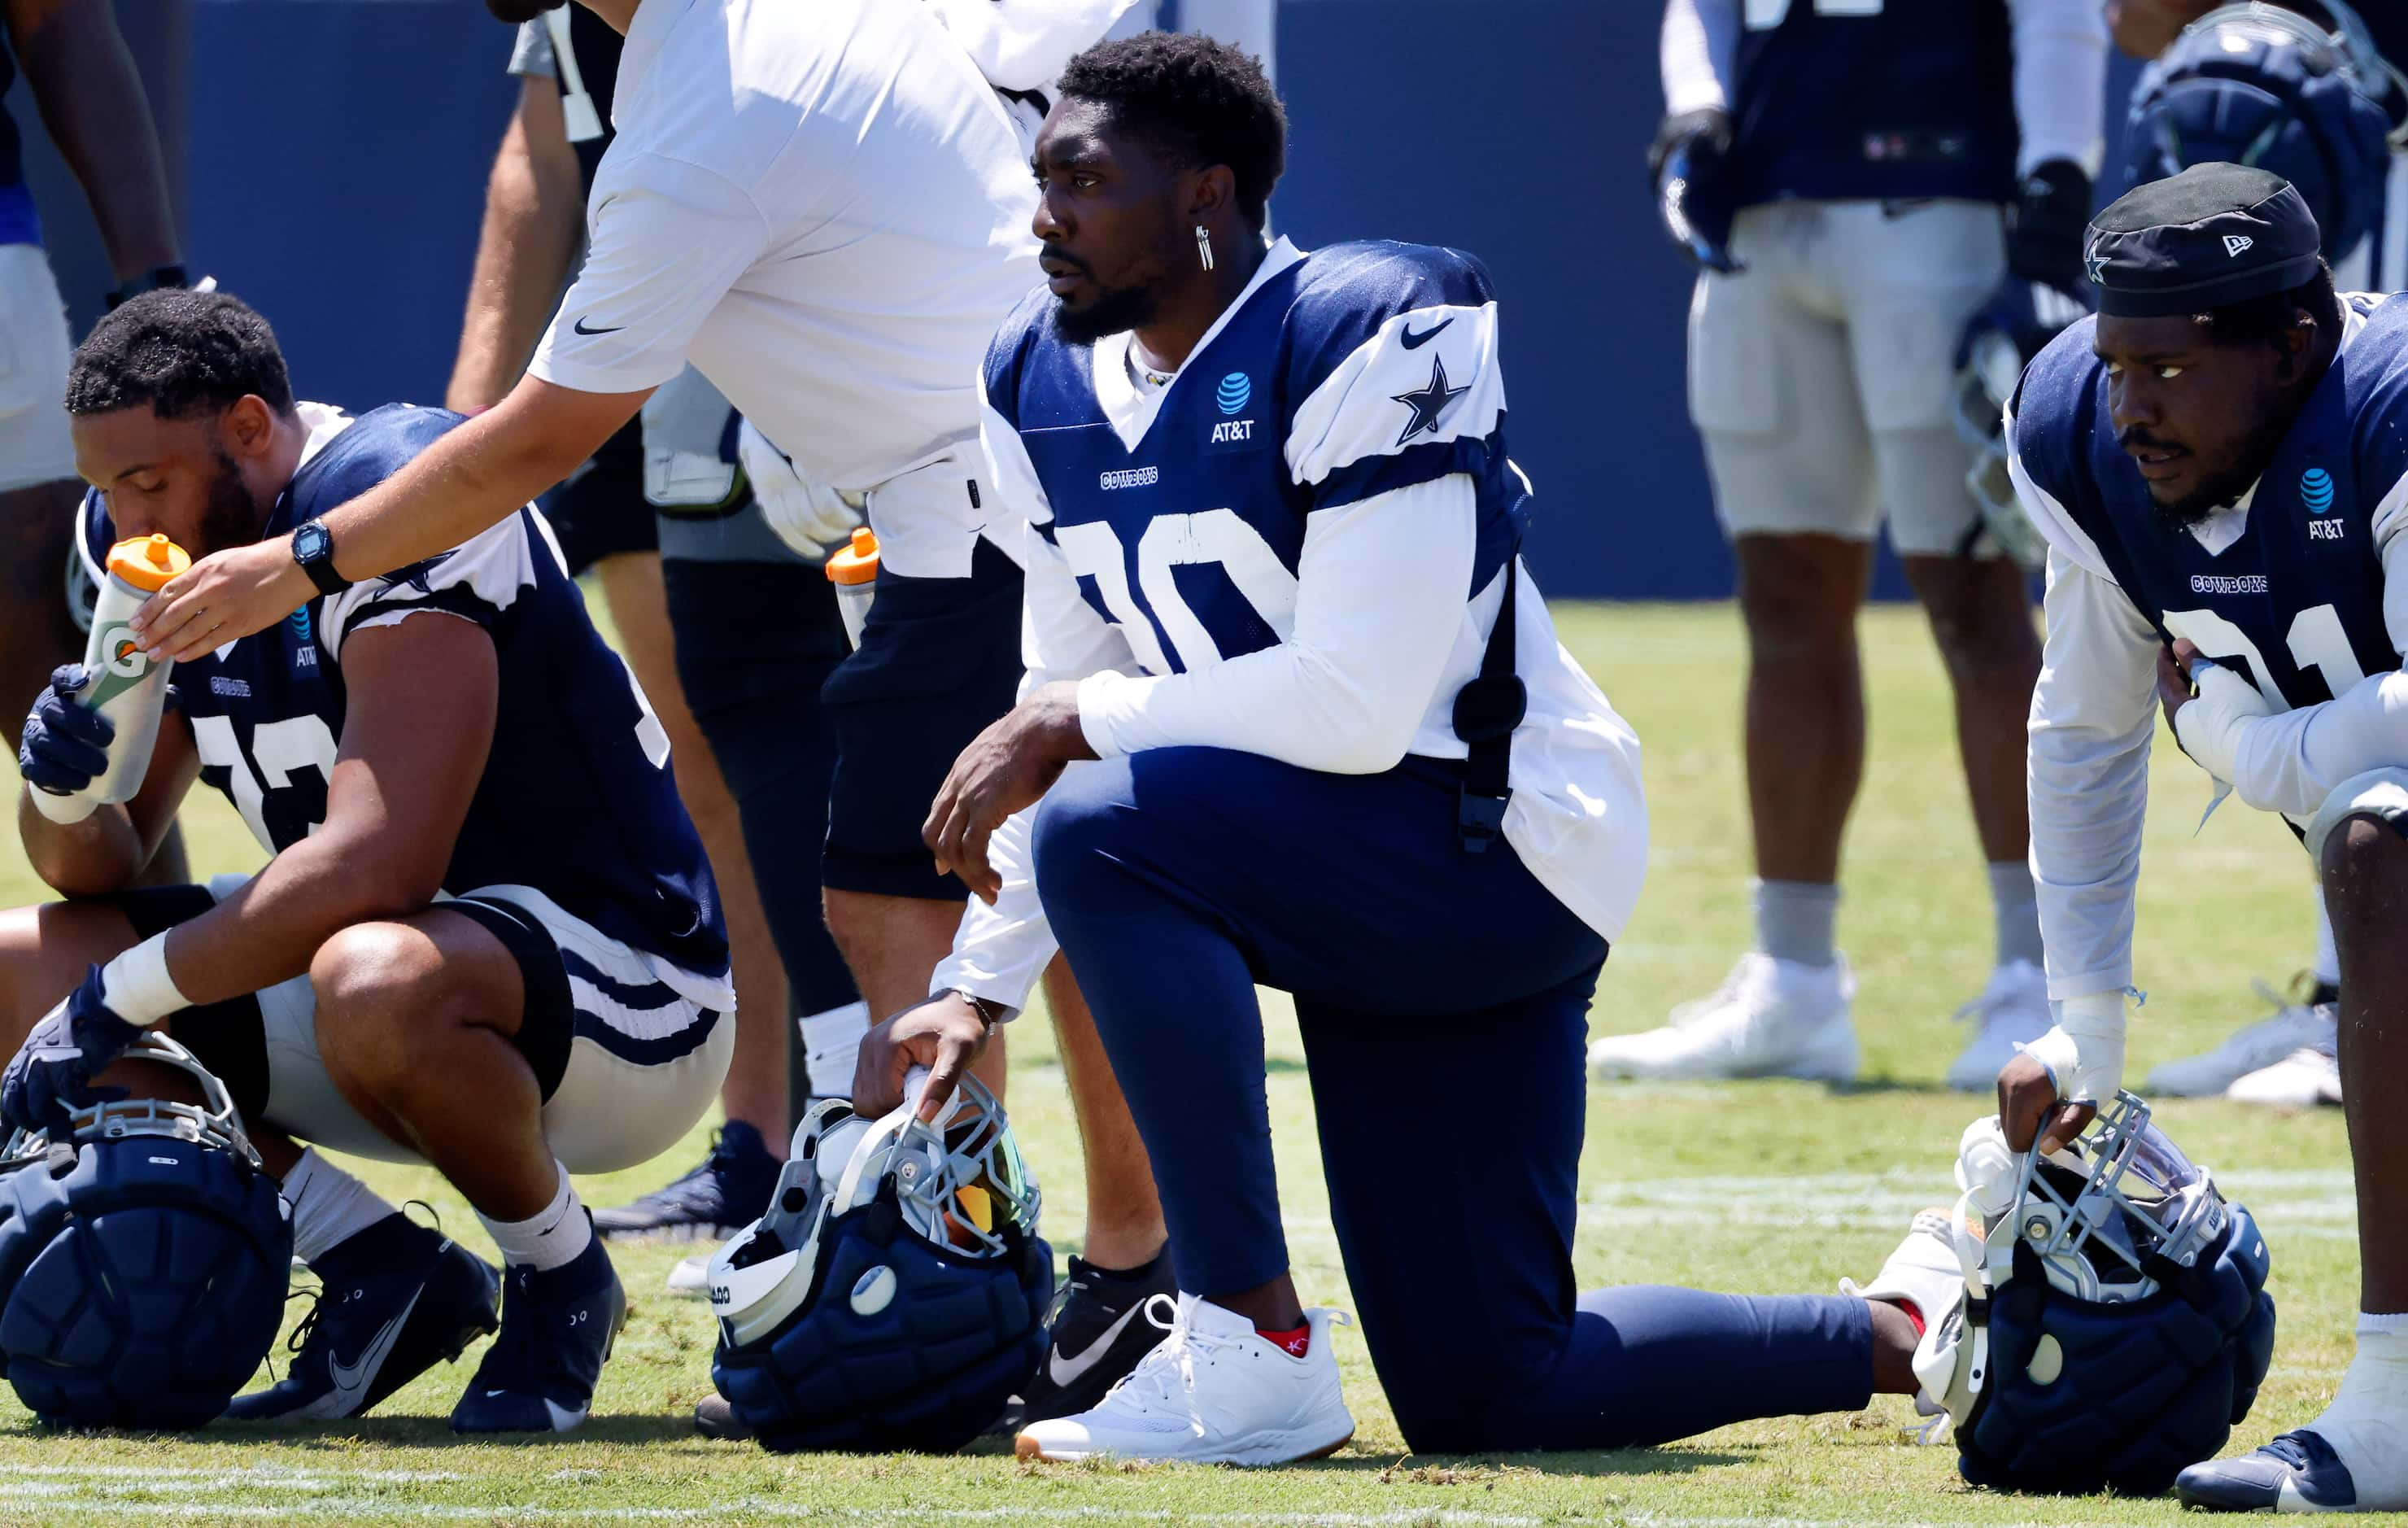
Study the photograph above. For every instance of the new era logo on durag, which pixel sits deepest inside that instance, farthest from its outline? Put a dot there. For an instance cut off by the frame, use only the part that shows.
(2235, 243)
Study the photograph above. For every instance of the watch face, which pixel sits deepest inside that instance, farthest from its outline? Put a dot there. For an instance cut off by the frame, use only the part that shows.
(309, 542)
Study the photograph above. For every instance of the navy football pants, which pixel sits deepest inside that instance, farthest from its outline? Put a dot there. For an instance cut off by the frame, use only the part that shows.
(1443, 997)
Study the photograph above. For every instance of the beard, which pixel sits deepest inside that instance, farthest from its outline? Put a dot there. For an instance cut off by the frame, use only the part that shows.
(2175, 517)
(1113, 313)
(231, 517)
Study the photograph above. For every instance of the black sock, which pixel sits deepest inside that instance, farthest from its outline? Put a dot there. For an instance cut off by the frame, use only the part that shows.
(1144, 1273)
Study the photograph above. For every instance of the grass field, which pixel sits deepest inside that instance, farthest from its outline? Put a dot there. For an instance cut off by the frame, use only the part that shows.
(1757, 1187)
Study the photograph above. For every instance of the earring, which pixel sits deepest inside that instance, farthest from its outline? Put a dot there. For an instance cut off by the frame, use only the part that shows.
(1204, 245)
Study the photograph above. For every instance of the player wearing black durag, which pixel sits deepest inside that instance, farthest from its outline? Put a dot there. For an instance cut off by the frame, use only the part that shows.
(1274, 598)
(2220, 463)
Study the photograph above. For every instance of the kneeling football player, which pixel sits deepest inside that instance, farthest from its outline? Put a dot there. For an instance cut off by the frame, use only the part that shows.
(2219, 461)
(1273, 591)
(487, 939)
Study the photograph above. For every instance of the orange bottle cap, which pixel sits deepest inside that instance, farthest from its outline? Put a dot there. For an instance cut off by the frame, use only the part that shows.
(856, 563)
(148, 562)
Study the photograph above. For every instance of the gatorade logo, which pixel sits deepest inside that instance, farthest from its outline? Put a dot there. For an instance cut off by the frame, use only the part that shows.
(125, 656)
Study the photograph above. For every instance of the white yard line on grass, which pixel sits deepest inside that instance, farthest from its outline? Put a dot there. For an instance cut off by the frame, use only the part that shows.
(770, 1507)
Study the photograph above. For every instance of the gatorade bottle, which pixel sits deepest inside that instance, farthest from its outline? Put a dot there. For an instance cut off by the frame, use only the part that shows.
(126, 686)
(853, 570)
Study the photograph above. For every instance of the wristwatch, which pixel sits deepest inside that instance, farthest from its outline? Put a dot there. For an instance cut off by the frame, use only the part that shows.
(988, 1009)
(313, 548)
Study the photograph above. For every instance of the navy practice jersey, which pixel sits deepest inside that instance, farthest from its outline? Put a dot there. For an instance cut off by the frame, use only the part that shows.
(585, 65)
(577, 800)
(1909, 98)
(2296, 603)
(1188, 539)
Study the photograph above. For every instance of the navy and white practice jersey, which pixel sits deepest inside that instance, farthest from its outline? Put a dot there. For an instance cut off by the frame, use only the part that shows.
(577, 801)
(1295, 549)
(2301, 587)
(1875, 102)
(2288, 587)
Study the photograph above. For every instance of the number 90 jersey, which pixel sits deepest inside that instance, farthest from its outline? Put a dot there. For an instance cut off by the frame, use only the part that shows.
(1337, 376)
(2295, 599)
(576, 800)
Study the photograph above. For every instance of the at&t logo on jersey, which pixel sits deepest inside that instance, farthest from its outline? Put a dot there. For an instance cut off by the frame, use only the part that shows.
(1234, 392)
(2317, 492)
(1231, 431)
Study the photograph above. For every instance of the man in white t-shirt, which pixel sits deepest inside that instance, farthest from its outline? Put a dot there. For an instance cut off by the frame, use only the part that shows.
(825, 208)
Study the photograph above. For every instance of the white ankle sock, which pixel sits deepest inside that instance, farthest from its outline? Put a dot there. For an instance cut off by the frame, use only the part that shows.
(2367, 1422)
(551, 1237)
(329, 1205)
(831, 1046)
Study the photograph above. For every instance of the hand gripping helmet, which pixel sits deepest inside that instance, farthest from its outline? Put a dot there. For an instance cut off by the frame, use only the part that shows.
(894, 1295)
(2260, 84)
(144, 1257)
(2116, 1324)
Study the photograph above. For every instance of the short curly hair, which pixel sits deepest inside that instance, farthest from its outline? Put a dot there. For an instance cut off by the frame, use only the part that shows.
(1197, 101)
(182, 352)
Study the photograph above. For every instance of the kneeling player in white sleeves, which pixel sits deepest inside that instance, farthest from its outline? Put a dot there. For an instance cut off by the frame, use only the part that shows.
(488, 938)
(2220, 463)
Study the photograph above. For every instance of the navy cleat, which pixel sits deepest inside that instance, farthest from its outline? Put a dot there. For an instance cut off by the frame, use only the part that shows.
(557, 1330)
(2298, 1472)
(397, 1297)
(714, 1202)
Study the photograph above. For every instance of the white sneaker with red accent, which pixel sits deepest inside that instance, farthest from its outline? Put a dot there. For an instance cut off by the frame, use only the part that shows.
(1212, 1391)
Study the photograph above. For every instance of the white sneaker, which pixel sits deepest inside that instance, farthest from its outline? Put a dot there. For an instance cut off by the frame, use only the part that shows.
(2305, 1078)
(2011, 1011)
(691, 1278)
(1928, 1272)
(1212, 1391)
(1769, 1018)
(2292, 1026)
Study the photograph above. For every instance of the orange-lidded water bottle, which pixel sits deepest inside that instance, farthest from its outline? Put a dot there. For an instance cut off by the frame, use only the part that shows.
(126, 686)
(853, 570)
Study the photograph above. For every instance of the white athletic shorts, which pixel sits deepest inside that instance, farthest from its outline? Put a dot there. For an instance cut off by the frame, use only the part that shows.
(627, 1061)
(1821, 376)
(2381, 794)
(34, 446)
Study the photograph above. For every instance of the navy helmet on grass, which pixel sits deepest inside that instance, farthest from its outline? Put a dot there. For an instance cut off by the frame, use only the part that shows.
(144, 1257)
(2115, 1324)
(2261, 85)
(894, 1295)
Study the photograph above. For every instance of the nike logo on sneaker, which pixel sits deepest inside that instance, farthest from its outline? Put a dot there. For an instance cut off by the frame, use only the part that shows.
(1415, 342)
(1065, 1371)
(351, 1380)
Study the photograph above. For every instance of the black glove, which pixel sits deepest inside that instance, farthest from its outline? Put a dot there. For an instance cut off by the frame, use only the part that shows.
(1690, 165)
(2047, 224)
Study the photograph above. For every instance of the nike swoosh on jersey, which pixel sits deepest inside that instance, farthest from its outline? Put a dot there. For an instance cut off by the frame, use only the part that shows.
(1412, 341)
(1064, 1372)
(579, 327)
(353, 1379)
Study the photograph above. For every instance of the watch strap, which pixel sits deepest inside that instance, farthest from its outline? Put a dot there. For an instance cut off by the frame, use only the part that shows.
(319, 561)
